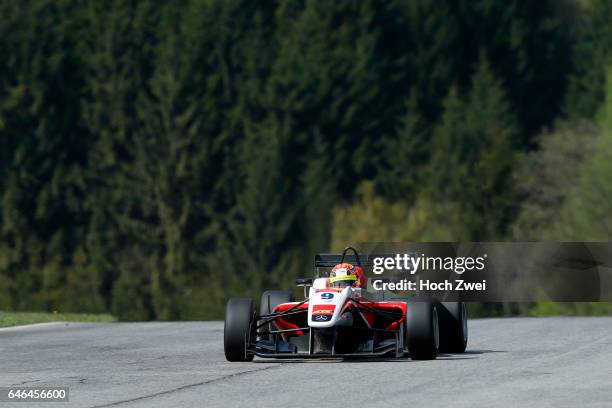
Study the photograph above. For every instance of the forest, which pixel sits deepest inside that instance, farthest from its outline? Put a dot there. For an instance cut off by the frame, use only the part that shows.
(158, 157)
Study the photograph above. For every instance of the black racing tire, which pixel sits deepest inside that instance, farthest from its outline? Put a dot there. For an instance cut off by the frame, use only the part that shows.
(269, 300)
(422, 333)
(453, 327)
(239, 329)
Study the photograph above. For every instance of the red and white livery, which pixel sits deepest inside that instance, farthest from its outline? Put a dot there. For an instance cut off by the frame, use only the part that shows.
(340, 318)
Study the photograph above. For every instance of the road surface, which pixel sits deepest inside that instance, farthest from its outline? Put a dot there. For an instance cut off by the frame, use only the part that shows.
(532, 362)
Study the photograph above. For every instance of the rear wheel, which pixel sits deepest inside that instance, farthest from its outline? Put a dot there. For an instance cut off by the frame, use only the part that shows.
(239, 329)
(269, 300)
(422, 333)
(453, 327)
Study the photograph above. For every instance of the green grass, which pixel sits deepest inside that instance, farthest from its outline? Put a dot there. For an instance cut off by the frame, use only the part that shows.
(571, 309)
(21, 318)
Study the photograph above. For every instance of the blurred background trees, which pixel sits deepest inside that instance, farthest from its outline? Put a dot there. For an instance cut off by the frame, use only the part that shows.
(159, 157)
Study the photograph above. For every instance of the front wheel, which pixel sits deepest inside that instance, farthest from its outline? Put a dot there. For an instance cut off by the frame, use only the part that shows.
(239, 329)
(422, 331)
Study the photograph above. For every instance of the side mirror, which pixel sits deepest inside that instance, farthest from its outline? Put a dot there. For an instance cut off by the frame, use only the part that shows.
(305, 283)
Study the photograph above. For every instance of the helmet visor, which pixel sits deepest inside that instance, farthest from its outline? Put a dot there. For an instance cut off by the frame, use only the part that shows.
(343, 281)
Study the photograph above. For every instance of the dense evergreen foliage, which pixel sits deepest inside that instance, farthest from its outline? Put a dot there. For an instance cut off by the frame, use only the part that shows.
(158, 157)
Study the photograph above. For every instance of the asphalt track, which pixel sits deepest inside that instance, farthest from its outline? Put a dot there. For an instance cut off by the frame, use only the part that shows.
(539, 362)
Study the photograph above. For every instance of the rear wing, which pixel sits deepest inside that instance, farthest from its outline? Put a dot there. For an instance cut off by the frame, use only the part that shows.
(331, 260)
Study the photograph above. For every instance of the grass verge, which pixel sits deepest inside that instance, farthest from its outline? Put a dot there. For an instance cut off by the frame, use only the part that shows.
(571, 309)
(20, 318)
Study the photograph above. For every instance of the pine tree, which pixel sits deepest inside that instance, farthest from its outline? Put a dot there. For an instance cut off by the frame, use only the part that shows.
(473, 155)
(404, 157)
(119, 64)
(546, 176)
(585, 214)
(590, 57)
(450, 151)
(42, 178)
(259, 239)
(530, 48)
(318, 195)
(433, 39)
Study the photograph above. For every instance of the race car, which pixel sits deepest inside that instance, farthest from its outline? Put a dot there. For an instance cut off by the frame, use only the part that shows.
(341, 318)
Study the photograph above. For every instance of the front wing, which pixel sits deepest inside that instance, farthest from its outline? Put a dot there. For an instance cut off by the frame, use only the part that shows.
(288, 340)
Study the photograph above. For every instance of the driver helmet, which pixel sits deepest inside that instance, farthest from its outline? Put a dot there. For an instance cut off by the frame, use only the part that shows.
(343, 275)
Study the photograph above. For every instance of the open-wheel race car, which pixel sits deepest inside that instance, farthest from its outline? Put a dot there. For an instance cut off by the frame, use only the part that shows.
(341, 318)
